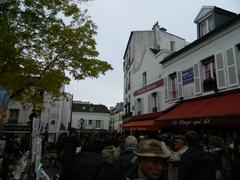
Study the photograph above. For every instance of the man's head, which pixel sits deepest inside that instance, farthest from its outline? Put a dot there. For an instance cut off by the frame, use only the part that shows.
(192, 138)
(178, 142)
(152, 158)
(131, 142)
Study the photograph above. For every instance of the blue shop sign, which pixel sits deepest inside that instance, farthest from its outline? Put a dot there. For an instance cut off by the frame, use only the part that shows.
(187, 76)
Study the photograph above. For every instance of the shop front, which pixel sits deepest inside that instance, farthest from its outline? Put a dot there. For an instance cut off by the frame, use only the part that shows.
(217, 114)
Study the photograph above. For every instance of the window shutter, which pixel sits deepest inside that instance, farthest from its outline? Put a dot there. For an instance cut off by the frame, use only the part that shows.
(166, 88)
(197, 78)
(93, 124)
(220, 70)
(149, 103)
(231, 67)
(158, 102)
(179, 81)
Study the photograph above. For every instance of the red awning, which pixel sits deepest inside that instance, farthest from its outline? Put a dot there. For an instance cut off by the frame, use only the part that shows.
(141, 125)
(214, 110)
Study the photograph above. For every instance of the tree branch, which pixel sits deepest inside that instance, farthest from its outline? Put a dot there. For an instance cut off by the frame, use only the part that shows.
(54, 60)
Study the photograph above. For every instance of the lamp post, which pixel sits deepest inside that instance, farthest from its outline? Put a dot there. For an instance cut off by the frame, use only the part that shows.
(82, 123)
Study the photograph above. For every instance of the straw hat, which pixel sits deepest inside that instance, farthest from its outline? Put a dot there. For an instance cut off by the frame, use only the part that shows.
(152, 148)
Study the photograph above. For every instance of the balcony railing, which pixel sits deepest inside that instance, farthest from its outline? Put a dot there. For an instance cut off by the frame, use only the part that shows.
(154, 109)
(210, 84)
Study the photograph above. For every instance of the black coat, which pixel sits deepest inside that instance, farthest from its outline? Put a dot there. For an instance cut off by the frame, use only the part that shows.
(126, 161)
(196, 165)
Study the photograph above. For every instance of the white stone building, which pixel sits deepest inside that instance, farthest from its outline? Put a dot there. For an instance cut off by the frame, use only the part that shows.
(116, 118)
(89, 117)
(142, 70)
(206, 68)
(55, 116)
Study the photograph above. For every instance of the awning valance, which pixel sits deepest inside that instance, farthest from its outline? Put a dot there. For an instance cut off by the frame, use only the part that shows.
(212, 110)
(141, 125)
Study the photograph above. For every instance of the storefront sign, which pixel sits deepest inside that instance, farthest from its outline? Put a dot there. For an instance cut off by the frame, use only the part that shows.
(148, 87)
(204, 121)
(187, 76)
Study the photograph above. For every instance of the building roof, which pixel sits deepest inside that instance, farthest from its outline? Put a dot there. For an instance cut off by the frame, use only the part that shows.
(90, 108)
(205, 10)
(155, 51)
(150, 31)
(202, 39)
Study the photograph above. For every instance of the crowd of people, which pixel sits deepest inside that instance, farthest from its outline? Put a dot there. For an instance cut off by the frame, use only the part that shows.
(179, 157)
(14, 148)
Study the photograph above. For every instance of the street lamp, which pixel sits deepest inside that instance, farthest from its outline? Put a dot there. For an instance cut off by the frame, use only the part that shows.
(82, 123)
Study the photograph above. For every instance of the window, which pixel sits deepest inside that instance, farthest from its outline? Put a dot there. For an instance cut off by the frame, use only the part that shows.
(139, 106)
(90, 122)
(173, 85)
(206, 25)
(129, 81)
(91, 108)
(144, 78)
(209, 82)
(154, 102)
(98, 123)
(172, 45)
(209, 68)
(13, 115)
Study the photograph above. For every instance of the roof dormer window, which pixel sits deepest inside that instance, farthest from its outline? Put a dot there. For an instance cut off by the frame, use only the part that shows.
(206, 25)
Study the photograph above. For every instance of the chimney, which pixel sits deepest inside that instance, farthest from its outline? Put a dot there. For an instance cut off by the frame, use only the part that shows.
(155, 26)
(163, 29)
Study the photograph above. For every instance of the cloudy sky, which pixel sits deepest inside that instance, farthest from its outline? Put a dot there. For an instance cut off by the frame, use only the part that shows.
(116, 19)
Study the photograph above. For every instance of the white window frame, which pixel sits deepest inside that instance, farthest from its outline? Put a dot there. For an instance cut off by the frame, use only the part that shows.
(234, 66)
(220, 70)
(197, 78)
(205, 21)
(14, 114)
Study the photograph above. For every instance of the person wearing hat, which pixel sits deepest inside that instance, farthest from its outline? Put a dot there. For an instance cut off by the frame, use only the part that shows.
(152, 161)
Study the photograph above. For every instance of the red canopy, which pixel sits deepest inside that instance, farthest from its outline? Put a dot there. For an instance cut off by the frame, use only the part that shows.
(222, 110)
(141, 125)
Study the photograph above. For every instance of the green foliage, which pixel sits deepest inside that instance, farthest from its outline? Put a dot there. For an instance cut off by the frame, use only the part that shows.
(43, 40)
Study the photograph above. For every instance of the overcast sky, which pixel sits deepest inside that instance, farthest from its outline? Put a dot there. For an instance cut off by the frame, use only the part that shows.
(116, 19)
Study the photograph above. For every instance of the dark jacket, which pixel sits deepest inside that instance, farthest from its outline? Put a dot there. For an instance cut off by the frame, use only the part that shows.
(236, 169)
(90, 166)
(69, 150)
(126, 160)
(196, 165)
